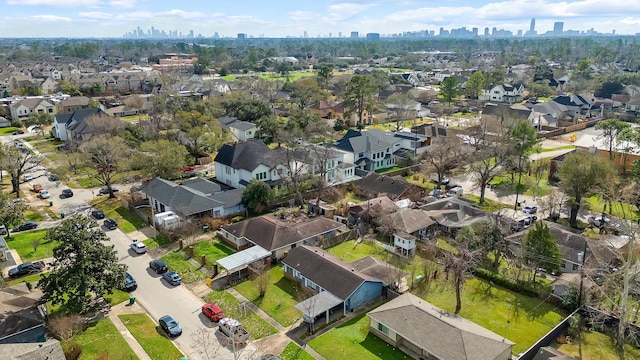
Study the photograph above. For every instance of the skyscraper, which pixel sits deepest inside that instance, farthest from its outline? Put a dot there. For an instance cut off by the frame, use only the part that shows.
(532, 27)
(558, 27)
(354, 34)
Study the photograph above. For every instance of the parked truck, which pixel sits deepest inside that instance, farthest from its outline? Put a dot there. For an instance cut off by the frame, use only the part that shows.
(234, 330)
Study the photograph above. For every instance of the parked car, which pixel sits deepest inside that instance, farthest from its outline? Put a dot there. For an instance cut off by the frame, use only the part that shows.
(98, 214)
(234, 330)
(67, 193)
(130, 283)
(172, 278)
(443, 181)
(26, 226)
(110, 224)
(436, 193)
(18, 132)
(138, 247)
(37, 188)
(3, 230)
(451, 185)
(212, 312)
(26, 269)
(105, 191)
(53, 177)
(456, 191)
(530, 209)
(170, 326)
(27, 177)
(44, 194)
(158, 266)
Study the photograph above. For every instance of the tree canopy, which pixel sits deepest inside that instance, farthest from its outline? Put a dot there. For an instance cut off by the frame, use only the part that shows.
(359, 96)
(540, 249)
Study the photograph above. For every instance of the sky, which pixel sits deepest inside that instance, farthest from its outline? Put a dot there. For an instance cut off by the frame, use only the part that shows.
(281, 18)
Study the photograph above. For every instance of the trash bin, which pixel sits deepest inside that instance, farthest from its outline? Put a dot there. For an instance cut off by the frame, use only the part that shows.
(50, 203)
(62, 215)
(205, 228)
(132, 300)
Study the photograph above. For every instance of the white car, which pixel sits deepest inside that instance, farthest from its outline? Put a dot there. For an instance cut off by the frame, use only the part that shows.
(139, 247)
(44, 194)
(27, 177)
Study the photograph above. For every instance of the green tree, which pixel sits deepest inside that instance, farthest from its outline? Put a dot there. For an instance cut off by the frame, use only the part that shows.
(542, 72)
(523, 138)
(84, 269)
(305, 92)
(17, 163)
(270, 127)
(163, 158)
(579, 174)
(612, 129)
(460, 262)
(475, 84)
(583, 69)
(246, 109)
(256, 196)
(359, 96)
(103, 157)
(325, 74)
(450, 89)
(40, 119)
(11, 214)
(540, 250)
(31, 90)
(202, 133)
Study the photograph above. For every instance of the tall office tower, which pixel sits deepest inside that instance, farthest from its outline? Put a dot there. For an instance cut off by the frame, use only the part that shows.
(475, 31)
(532, 27)
(558, 27)
(339, 34)
(354, 34)
(486, 31)
(242, 36)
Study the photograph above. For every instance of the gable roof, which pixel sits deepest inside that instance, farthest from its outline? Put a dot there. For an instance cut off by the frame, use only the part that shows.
(569, 242)
(247, 155)
(448, 336)
(273, 233)
(376, 183)
(365, 141)
(78, 120)
(31, 103)
(408, 220)
(453, 212)
(324, 269)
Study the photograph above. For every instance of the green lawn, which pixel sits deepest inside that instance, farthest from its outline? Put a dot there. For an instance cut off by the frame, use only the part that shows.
(213, 249)
(88, 182)
(187, 271)
(620, 209)
(150, 337)
(8, 130)
(21, 242)
(134, 118)
(127, 221)
(349, 251)
(519, 318)
(489, 205)
(295, 352)
(159, 241)
(117, 297)
(566, 147)
(352, 340)
(32, 215)
(102, 338)
(279, 299)
(595, 346)
(255, 325)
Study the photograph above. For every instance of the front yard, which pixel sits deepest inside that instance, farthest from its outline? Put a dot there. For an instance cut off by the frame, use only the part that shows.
(213, 249)
(295, 352)
(102, 339)
(187, 271)
(279, 299)
(23, 243)
(150, 337)
(127, 221)
(255, 325)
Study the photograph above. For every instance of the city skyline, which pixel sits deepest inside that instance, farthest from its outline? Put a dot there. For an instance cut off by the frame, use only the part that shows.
(113, 18)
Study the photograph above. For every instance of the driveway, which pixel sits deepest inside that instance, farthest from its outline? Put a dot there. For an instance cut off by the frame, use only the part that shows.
(159, 299)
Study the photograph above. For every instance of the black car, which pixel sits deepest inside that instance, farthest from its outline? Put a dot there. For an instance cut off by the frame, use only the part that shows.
(130, 283)
(105, 191)
(170, 326)
(158, 266)
(26, 226)
(67, 193)
(110, 224)
(98, 214)
(26, 269)
(53, 177)
(18, 132)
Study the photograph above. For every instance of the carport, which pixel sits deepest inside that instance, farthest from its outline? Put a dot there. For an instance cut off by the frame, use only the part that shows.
(318, 304)
(241, 259)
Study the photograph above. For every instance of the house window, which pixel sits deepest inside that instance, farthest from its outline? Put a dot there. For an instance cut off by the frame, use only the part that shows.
(228, 170)
(261, 176)
(563, 264)
(575, 267)
(360, 155)
(383, 329)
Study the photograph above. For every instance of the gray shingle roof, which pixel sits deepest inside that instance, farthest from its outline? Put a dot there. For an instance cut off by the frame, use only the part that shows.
(448, 336)
(247, 155)
(365, 141)
(375, 183)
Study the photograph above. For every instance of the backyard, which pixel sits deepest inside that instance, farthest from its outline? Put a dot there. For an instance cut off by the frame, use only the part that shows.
(593, 345)
(154, 343)
(279, 299)
(255, 325)
(102, 339)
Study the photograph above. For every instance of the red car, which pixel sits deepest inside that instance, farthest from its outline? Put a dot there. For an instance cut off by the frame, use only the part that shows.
(212, 311)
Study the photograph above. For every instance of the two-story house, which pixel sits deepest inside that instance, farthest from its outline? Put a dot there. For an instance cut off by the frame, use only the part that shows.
(236, 165)
(504, 93)
(322, 161)
(72, 104)
(20, 110)
(239, 130)
(82, 124)
(367, 150)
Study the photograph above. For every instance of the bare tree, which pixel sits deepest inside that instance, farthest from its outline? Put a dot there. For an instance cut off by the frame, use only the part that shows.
(260, 269)
(205, 342)
(460, 263)
(17, 162)
(445, 155)
(104, 157)
(136, 102)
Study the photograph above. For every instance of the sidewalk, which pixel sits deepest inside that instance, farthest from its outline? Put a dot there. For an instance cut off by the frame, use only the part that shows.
(125, 308)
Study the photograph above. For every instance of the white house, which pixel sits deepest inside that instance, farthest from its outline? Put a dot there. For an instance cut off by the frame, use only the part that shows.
(239, 130)
(367, 150)
(236, 165)
(20, 110)
(505, 93)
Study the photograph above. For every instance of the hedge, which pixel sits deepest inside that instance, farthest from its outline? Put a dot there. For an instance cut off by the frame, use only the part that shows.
(522, 287)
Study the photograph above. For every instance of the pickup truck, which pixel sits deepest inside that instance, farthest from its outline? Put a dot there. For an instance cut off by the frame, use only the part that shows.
(234, 330)
(37, 188)
(26, 269)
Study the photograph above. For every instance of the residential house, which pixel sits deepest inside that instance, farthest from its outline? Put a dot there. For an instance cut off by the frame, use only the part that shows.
(49, 86)
(633, 105)
(22, 320)
(406, 226)
(321, 161)
(240, 130)
(424, 331)
(441, 75)
(411, 144)
(453, 213)
(82, 124)
(337, 111)
(195, 198)
(576, 105)
(504, 93)
(496, 116)
(367, 150)
(572, 245)
(236, 165)
(72, 104)
(21, 109)
(18, 81)
(366, 212)
(4, 122)
(279, 234)
(395, 188)
(338, 286)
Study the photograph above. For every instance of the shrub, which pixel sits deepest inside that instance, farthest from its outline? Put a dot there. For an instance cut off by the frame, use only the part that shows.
(72, 350)
(65, 327)
(522, 287)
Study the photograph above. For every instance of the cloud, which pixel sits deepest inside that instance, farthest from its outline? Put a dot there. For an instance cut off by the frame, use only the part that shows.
(51, 18)
(179, 15)
(346, 11)
(302, 15)
(56, 3)
(123, 4)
